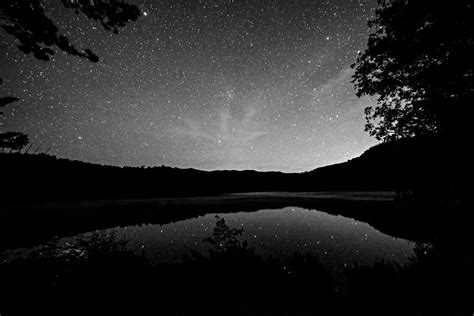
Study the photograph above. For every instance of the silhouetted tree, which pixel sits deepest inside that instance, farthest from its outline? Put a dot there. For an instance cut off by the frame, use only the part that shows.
(36, 33)
(7, 100)
(419, 63)
(13, 141)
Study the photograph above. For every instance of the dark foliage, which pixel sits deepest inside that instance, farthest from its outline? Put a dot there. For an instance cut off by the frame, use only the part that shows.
(419, 64)
(13, 141)
(37, 33)
(7, 100)
(97, 275)
(100, 275)
(436, 282)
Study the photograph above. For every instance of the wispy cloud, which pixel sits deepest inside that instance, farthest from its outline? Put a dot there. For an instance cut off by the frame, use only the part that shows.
(223, 126)
(336, 82)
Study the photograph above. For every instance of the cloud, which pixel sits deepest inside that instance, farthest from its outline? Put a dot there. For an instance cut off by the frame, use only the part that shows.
(335, 83)
(224, 126)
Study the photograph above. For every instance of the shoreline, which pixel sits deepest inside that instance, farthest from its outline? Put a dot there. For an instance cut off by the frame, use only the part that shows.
(30, 224)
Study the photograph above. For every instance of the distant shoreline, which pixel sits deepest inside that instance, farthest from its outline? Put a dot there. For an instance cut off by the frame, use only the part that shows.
(339, 195)
(30, 224)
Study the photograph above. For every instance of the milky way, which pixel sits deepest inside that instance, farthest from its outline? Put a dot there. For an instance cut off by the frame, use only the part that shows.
(223, 84)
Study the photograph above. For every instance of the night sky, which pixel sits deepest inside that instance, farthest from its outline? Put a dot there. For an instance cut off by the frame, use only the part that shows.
(205, 84)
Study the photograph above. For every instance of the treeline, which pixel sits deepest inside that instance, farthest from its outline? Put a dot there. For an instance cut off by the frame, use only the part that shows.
(50, 178)
(401, 165)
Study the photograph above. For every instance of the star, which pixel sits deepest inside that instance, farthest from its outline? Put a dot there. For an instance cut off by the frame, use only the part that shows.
(236, 85)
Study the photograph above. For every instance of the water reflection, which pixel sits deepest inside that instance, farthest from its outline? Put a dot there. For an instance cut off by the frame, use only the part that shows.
(262, 260)
(278, 233)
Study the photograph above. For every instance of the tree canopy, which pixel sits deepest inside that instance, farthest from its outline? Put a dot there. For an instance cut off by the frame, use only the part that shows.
(13, 141)
(36, 33)
(419, 64)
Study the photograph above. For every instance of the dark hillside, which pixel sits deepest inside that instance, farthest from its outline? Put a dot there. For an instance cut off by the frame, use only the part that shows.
(402, 165)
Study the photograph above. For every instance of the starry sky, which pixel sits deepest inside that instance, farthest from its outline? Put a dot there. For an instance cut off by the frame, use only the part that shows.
(209, 84)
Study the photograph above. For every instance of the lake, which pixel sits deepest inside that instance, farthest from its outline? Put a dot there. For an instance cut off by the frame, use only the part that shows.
(336, 241)
(282, 259)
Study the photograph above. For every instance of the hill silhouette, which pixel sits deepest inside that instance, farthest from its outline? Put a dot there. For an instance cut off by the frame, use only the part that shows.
(405, 164)
(44, 197)
(400, 165)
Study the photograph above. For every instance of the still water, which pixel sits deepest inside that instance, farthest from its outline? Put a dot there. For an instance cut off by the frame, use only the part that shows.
(336, 241)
